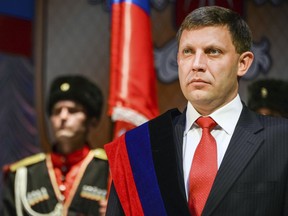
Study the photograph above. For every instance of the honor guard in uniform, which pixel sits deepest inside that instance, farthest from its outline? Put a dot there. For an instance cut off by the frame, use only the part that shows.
(72, 178)
(269, 97)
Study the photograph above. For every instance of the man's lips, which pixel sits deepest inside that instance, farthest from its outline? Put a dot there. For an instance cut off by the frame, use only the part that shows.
(198, 82)
(64, 132)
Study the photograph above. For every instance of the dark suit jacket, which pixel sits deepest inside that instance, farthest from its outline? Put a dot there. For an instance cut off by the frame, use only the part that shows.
(252, 179)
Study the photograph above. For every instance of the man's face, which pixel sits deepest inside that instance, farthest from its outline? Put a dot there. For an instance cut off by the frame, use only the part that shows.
(208, 66)
(69, 121)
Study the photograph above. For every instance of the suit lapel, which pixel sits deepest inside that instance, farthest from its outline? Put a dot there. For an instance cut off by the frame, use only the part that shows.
(243, 145)
(179, 131)
(167, 162)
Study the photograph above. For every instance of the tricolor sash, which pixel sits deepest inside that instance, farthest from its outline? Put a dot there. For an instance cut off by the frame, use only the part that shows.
(133, 173)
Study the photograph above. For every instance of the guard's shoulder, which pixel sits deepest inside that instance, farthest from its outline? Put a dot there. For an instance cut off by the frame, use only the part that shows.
(99, 153)
(27, 161)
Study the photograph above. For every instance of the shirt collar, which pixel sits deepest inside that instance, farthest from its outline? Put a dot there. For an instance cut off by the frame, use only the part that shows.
(226, 117)
(69, 160)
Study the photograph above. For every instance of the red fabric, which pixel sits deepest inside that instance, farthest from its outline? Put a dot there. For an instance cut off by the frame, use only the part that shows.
(132, 73)
(204, 167)
(71, 163)
(120, 127)
(16, 36)
(123, 178)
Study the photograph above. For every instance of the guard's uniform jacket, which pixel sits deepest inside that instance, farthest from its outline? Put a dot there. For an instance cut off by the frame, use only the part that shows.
(31, 187)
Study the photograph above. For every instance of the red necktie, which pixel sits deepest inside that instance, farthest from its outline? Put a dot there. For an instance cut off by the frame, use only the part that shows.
(204, 167)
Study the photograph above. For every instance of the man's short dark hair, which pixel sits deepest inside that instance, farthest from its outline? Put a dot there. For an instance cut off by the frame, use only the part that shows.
(219, 16)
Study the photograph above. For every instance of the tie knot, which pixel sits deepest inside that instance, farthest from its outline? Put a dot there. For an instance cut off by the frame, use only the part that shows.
(206, 122)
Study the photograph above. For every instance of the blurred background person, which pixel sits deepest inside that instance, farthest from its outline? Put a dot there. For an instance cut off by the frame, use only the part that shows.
(72, 179)
(269, 97)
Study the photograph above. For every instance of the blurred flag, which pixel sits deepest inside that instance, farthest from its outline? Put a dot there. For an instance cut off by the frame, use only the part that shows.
(133, 96)
(16, 18)
(19, 135)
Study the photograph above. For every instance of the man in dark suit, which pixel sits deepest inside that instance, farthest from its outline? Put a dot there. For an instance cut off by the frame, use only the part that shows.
(72, 178)
(156, 167)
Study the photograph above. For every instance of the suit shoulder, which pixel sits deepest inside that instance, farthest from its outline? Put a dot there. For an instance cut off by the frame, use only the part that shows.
(169, 115)
(28, 161)
(99, 153)
(273, 120)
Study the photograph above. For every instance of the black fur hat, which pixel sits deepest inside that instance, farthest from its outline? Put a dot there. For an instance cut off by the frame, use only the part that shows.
(78, 89)
(269, 93)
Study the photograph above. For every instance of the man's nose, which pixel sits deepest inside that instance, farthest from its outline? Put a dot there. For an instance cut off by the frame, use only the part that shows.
(64, 113)
(199, 62)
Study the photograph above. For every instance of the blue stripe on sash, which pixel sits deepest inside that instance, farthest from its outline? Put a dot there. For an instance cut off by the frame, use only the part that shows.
(143, 4)
(140, 156)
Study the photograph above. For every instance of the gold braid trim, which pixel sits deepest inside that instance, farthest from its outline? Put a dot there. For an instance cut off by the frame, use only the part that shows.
(100, 153)
(27, 161)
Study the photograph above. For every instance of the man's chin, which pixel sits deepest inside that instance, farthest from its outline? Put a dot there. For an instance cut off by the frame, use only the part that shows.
(64, 135)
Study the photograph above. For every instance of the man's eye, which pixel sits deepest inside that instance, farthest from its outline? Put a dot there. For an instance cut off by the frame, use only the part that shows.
(56, 111)
(187, 51)
(73, 110)
(213, 52)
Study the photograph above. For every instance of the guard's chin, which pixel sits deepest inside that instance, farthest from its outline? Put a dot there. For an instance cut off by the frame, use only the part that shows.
(64, 134)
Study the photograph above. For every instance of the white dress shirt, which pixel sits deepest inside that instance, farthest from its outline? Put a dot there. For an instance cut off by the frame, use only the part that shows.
(226, 118)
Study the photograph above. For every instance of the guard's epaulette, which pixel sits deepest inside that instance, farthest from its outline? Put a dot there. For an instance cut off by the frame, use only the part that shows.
(100, 154)
(27, 161)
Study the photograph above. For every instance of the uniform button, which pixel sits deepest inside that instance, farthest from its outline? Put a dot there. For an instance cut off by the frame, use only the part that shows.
(62, 188)
(62, 198)
(64, 169)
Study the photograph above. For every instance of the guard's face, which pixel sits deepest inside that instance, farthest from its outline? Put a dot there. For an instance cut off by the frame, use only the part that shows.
(208, 67)
(69, 121)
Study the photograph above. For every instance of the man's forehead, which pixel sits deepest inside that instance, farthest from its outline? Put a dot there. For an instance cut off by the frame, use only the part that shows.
(206, 34)
(221, 28)
(68, 103)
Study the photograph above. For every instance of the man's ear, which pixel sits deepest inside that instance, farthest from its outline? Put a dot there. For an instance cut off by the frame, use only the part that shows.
(245, 61)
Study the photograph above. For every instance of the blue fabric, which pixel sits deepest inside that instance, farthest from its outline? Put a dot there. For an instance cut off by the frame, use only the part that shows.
(144, 4)
(141, 161)
(23, 9)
